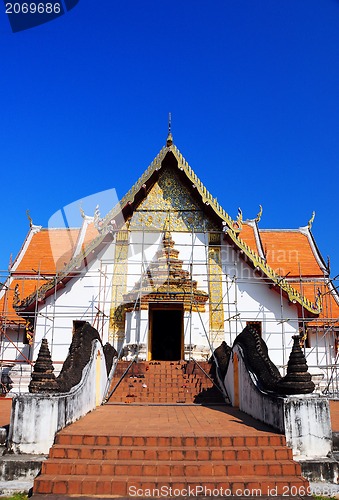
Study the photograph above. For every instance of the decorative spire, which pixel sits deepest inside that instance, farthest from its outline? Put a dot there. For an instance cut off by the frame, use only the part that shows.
(167, 229)
(169, 141)
(298, 379)
(43, 378)
(310, 222)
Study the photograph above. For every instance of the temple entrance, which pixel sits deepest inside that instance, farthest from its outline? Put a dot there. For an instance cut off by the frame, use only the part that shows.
(166, 333)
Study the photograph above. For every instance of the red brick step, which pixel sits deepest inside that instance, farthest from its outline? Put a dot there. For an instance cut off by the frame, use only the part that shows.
(173, 453)
(125, 485)
(161, 382)
(118, 449)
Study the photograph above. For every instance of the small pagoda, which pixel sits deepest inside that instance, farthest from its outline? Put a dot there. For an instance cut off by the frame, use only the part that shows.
(165, 280)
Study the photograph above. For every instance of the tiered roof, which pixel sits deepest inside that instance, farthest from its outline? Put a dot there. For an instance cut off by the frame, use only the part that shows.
(293, 254)
(43, 254)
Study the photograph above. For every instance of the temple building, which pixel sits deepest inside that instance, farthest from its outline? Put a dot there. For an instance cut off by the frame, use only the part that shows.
(167, 274)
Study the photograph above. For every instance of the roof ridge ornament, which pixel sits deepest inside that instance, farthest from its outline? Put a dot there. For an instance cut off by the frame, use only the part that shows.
(239, 222)
(29, 218)
(82, 212)
(310, 222)
(169, 140)
(258, 217)
(33, 227)
(97, 219)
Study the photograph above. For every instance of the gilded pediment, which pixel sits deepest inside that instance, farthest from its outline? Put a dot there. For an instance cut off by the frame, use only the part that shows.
(170, 200)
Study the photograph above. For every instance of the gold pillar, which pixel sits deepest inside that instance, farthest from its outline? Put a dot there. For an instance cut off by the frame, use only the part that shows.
(119, 287)
(216, 305)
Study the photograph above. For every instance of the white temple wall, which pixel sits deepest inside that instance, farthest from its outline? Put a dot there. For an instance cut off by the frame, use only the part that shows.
(141, 250)
(249, 298)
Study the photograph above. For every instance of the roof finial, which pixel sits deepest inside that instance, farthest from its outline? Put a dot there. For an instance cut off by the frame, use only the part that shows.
(310, 222)
(82, 213)
(29, 218)
(169, 141)
(258, 217)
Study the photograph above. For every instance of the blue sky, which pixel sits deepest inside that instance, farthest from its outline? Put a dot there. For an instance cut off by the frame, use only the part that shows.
(252, 85)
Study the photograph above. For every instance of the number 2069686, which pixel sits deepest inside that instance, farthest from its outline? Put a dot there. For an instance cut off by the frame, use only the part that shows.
(33, 8)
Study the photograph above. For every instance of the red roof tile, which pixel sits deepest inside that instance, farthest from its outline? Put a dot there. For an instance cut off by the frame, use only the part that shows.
(48, 251)
(290, 252)
(248, 236)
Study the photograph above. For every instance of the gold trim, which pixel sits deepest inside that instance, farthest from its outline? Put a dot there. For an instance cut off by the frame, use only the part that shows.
(119, 287)
(216, 303)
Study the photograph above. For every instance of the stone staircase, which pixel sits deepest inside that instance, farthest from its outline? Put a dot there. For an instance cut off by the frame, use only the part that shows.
(119, 466)
(157, 447)
(165, 382)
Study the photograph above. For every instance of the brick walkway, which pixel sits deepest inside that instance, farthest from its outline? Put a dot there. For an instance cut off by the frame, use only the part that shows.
(176, 420)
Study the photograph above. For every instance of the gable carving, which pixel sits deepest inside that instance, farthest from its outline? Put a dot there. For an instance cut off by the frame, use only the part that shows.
(169, 201)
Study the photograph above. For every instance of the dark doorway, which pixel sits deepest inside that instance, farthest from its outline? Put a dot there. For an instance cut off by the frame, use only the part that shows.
(166, 334)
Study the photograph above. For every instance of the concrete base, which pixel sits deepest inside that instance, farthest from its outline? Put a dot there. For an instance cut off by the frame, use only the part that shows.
(324, 470)
(8, 488)
(304, 419)
(20, 375)
(3, 440)
(36, 418)
(335, 441)
(20, 467)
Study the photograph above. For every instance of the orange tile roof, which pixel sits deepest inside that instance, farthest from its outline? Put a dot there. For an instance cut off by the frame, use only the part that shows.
(49, 250)
(285, 250)
(37, 257)
(248, 236)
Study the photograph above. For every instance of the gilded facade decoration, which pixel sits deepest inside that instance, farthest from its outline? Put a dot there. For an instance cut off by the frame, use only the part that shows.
(216, 303)
(166, 281)
(117, 311)
(169, 200)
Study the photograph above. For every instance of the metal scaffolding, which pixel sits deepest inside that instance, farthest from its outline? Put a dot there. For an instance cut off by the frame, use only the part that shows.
(320, 335)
